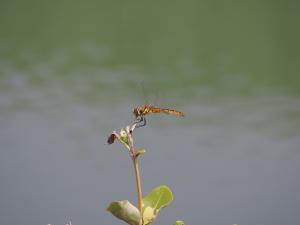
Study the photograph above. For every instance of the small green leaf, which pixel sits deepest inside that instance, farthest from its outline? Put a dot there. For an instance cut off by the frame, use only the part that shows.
(141, 152)
(159, 197)
(179, 222)
(125, 211)
(153, 202)
(124, 136)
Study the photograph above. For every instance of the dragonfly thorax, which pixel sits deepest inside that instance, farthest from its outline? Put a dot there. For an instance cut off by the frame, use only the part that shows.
(141, 111)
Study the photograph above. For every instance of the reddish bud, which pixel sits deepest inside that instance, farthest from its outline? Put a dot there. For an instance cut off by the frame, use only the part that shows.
(111, 139)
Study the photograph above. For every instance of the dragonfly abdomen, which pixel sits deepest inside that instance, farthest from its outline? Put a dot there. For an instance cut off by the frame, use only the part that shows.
(173, 112)
(167, 111)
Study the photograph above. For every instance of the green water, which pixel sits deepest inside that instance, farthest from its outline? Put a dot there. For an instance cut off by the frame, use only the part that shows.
(167, 44)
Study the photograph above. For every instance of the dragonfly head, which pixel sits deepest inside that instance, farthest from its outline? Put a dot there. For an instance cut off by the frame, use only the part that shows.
(136, 112)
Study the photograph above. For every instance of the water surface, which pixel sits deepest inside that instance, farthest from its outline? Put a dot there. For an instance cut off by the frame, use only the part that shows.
(71, 73)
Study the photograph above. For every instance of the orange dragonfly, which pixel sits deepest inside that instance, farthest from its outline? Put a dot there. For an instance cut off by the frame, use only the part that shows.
(142, 111)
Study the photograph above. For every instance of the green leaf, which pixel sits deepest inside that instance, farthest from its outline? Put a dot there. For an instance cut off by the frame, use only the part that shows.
(124, 137)
(141, 152)
(125, 211)
(179, 222)
(157, 199)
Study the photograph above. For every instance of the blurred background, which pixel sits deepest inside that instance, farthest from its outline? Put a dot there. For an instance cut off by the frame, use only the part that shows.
(72, 71)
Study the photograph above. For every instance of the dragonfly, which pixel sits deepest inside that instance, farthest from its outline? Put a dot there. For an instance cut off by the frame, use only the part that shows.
(142, 111)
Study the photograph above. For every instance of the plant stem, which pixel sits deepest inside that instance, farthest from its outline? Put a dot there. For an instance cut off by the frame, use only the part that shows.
(138, 184)
(134, 157)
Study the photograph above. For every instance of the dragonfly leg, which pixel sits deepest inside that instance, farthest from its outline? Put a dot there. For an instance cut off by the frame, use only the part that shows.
(141, 122)
(138, 119)
(145, 122)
